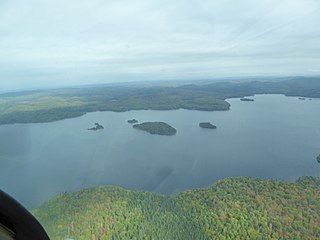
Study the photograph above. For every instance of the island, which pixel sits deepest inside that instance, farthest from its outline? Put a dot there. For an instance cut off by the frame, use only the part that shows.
(159, 128)
(318, 158)
(302, 98)
(96, 127)
(247, 99)
(133, 121)
(207, 125)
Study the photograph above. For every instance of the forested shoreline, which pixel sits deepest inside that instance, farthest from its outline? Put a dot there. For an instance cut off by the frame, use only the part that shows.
(234, 208)
(52, 105)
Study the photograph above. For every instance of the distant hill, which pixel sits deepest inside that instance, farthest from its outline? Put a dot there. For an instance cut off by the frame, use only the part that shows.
(235, 208)
(52, 105)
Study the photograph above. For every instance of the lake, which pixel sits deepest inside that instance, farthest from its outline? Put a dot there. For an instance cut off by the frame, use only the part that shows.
(274, 137)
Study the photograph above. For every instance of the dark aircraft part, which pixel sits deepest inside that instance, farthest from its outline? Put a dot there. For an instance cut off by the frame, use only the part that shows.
(17, 223)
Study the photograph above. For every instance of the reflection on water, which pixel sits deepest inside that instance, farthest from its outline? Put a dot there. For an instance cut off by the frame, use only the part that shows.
(273, 137)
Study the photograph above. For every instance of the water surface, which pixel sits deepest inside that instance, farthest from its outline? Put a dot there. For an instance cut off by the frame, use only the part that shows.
(274, 137)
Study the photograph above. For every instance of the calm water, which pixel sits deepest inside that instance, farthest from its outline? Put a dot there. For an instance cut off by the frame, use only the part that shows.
(274, 137)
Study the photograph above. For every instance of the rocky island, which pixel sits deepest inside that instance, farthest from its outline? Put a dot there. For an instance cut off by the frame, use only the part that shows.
(96, 127)
(133, 121)
(247, 99)
(159, 128)
(207, 125)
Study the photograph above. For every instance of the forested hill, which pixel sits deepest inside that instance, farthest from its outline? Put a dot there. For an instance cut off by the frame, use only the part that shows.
(236, 208)
(296, 86)
(52, 105)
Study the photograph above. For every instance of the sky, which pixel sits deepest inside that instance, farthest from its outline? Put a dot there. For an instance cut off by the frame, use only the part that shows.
(50, 43)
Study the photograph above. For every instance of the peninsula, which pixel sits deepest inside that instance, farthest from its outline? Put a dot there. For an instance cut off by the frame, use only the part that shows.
(159, 128)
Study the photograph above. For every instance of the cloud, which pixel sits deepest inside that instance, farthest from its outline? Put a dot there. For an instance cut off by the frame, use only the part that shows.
(51, 43)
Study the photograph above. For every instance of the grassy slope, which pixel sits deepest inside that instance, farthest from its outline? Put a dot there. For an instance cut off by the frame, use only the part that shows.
(236, 208)
(47, 106)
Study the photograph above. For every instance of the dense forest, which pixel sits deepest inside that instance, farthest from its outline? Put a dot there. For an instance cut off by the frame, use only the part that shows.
(52, 105)
(235, 208)
(159, 128)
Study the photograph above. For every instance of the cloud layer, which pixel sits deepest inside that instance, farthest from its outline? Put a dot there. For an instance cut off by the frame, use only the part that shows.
(51, 43)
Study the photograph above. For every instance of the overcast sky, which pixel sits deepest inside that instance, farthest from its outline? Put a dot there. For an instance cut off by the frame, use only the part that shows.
(67, 42)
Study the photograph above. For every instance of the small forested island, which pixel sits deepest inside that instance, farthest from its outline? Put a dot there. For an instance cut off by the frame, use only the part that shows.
(159, 128)
(96, 127)
(247, 99)
(207, 125)
(234, 208)
(302, 98)
(132, 121)
(318, 158)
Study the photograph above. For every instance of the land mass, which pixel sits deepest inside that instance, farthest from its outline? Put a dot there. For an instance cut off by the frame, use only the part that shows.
(247, 99)
(159, 128)
(234, 208)
(207, 125)
(96, 127)
(52, 105)
(318, 158)
(132, 121)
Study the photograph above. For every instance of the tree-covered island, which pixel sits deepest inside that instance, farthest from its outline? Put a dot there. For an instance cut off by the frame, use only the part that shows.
(247, 99)
(318, 158)
(207, 125)
(96, 127)
(159, 128)
(132, 121)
